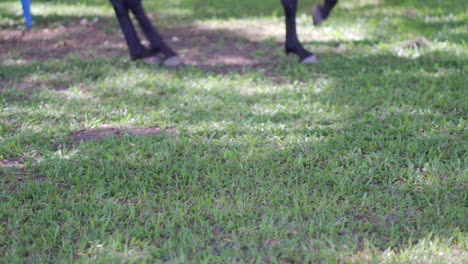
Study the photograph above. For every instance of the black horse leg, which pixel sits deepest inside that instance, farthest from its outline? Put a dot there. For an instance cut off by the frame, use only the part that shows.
(320, 13)
(292, 42)
(152, 34)
(136, 49)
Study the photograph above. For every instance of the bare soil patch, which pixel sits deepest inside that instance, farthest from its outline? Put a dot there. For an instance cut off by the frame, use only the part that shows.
(418, 42)
(202, 47)
(86, 41)
(218, 50)
(13, 172)
(22, 176)
(212, 47)
(107, 132)
(15, 162)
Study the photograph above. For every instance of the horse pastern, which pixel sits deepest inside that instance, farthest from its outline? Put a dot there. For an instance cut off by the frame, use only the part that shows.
(173, 61)
(310, 60)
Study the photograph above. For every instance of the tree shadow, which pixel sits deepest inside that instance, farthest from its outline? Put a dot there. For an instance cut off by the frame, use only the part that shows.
(74, 38)
(400, 213)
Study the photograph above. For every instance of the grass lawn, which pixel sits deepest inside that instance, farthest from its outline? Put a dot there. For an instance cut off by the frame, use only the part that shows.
(242, 155)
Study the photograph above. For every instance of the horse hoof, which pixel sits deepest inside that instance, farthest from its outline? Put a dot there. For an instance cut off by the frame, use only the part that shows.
(317, 15)
(310, 60)
(173, 61)
(152, 60)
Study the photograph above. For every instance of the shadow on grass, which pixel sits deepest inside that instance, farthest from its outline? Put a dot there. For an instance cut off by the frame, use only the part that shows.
(219, 50)
(336, 196)
(363, 163)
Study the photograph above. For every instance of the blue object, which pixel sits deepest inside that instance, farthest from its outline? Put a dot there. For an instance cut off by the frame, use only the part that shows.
(27, 12)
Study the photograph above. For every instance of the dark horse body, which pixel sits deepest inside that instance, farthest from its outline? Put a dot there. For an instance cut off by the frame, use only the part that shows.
(159, 51)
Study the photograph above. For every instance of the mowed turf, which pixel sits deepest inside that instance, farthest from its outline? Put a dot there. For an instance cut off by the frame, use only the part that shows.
(243, 155)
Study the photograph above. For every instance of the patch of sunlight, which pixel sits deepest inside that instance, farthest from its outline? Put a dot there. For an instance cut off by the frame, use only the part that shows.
(415, 51)
(428, 176)
(213, 126)
(256, 29)
(50, 8)
(72, 10)
(133, 255)
(243, 85)
(49, 77)
(199, 89)
(336, 30)
(146, 82)
(356, 4)
(436, 250)
(239, 60)
(41, 116)
(169, 13)
(261, 29)
(256, 85)
(209, 127)
(14, 111)
(257, 89)
(288, 114)
(262, 109)
(343, 32)
(76, 93)
(274, 109)
(230, 128)
(66, 154)
(441, 73)
(9, 62)
(446, 18)
(386, 113)
(297, 138)
(4, 21)
(321, 84)
(140, 81)
(459, 50)
(12, 8)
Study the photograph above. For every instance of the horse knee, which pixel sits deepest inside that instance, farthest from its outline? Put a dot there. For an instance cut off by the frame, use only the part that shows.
(138, 11)
(289, 4)
(329, 4)
(290, 7)
(120, 9)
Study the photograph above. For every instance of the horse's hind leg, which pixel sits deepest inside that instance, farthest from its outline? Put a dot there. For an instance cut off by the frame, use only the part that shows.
(155, 39)
(157, 43)
(292, 42)
(320, 13)
(136, 49)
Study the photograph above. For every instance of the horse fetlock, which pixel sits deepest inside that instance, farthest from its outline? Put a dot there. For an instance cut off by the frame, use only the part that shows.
(173, 61)
(310, 59)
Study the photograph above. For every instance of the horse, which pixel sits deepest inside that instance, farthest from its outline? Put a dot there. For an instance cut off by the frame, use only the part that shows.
(321, 12)
(160, 52)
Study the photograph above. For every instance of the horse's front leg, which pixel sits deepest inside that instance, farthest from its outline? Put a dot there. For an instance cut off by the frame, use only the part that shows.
(136, 49)
(158, 46)
(320, 13)
(292, 42)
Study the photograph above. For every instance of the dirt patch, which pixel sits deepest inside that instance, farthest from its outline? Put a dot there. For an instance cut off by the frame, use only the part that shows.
(21, 48)
(212, 47)
(418, 42)
(15, 162)
(106, 132)
(219, 49)
(30, 177)
(85, 41)
(12, 173)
